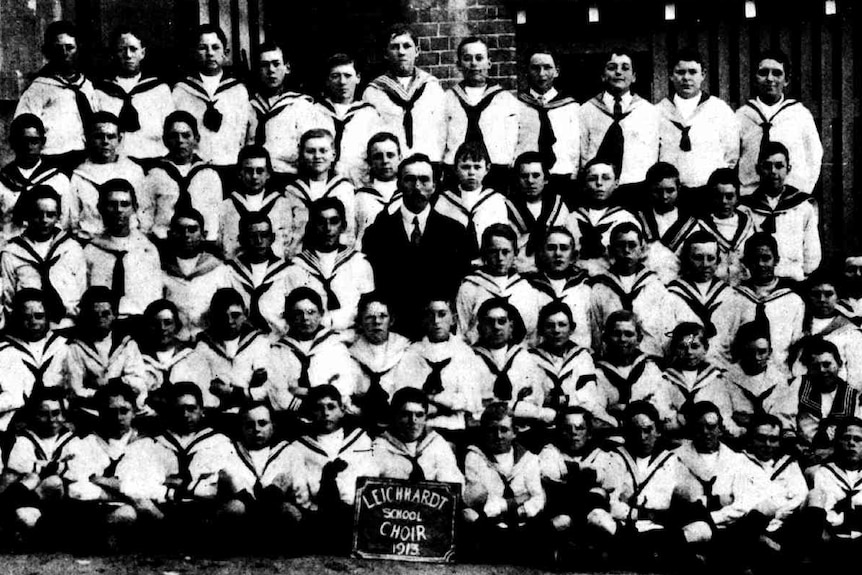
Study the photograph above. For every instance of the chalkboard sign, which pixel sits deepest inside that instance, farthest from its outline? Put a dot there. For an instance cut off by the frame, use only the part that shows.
(405, 520)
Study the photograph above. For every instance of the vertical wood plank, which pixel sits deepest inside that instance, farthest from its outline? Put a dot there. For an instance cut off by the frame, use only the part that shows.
(830, 220)
(723, 49)
(848, 117)
(204, 12)
(744, 63)
(244, 24)
(659, 59)
(703, 49)
(806, 77)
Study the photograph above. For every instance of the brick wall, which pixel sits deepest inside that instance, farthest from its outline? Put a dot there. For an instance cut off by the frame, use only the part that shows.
(441, 24)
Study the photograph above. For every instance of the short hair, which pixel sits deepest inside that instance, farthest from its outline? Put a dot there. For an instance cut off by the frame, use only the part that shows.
(52, 393)
(777, 55)
(252, 218)
(320, 205)
(760, 419)
(303, 293)
(23, 296)
(187, 213)
(247, 406)
(210, 29)
(701, 408)
(563, 230)
(553, 308)
(620, 51)
(56, 29)
(472, 151)
(117, 185)
(181, 388)
(25, 207)
(641, 407)
(223, 299)
(844, 423)
(698, 237)
(369, 298)
(470, 40)
(821, 276)
(413, 159)
(747, 333)
(626, 228)
(326, 391)
(254, 152)
(623, 315)
(401, 29)
(23, 122)
(532, 157)
(603, 161)
(759, 240)
(315, 133)
(184, 117)
(115, 388)
(270, 46)
(687, 55)
(498, 230)
(157, 307)
(438, 296)
(495, 412)
(340, 59)
(723, 176)
(543, 49)
(97, 294)
(816, 345)
(773, 148)
(104, 117)
(408, 395)
(661, 171)
(381, 137)
(577, 410)
(519, 331)
(687, 329)
(122, 30)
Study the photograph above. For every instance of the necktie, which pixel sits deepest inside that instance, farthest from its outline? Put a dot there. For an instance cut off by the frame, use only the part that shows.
(38, 377)
(768, 224)
(304, 365)
(556, 397)
(766, 126)
(547, 139)
(255, 316)
(129, 120)
(339, 125)
(760, 317)
(434, 382)
(416, 473)
(85, 111)
(407, 107)
(118, 280)
(111, 469)
(685, 139)
(474, 114)
(416, 234)
(502, 384)
(332, 302)
(54, 306)
(713, 502)
(611, 148)
(212, 117)
(376, 400)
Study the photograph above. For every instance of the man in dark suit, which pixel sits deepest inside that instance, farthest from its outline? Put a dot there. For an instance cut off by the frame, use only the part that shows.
(416, 252)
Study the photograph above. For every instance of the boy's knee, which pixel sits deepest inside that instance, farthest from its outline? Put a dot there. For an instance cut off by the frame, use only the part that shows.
(123, 515)
(27, 518)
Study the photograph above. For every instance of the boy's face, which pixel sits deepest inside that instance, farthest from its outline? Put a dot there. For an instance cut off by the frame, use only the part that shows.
(375, 322)
(575, 432)
(689, 352)
(417, 185)
(130, 53)
(702, 261)
(474, 64)
(642, 435)
(438, 321)
(63, 53)
(500, 435)
(619, 74)
(257, 428)
(401, 53)
(761, 264)
(471, 173)
(687, 78)
(104, 141)
(531, 180)
(498, 256)
(850, 446)
(180, 140)
(773, 172)
(304, 319)
(272, 69)
(231, 322)
(117, 211)
(725, 198)
(542, 71)
(210, 54)
(495, 328)
(327, 414)
(622, 336)
(664, 195)
(164, 327)
(328, 226)
(317, 155)
(117, 416)
(187, 236)
(341, 83)
(102, 316)
(822, 299)
(257, 238)
(410, 420)
(28, 146)
(43, 220)
(557, 254)
(765, 441)
(707, 433)
(254, 175)
(823, 370)
(754, 355)
(187, 414)
(556, 330)
(853, 274)
(601, 182)
(34, 319)
(49, 418)
(626, 251)
(384, 158)
(770, 80)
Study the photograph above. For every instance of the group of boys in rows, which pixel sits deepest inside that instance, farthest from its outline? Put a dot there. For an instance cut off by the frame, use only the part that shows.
(282, 295)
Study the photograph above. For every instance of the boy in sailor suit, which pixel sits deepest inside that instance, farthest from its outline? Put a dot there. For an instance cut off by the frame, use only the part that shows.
(310, 355)
(772, 117)
(376, 353)
(349, 121)
(730, 224)
(45, 258)
(410, 101)
(25, 172)
(219, 102)
(37, 460)
(61, 96)
(559, 278)
(409, 449)
(140, 102)
(382, 193)
(618, 126)
(471, 204)
(481, 113)
(787, 213)
(259, 275)
(102, 165)
(191, 274)
(629, 285)
(326, 464)
(281, 115)
(850, 303)
(316, 180)
(340, 274)
(496, 278)
(699, 132)
(255, 194)
(534, 208)
(180, 179)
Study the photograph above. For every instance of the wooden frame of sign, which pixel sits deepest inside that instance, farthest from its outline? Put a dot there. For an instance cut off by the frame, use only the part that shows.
(405, 520)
